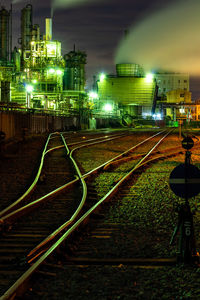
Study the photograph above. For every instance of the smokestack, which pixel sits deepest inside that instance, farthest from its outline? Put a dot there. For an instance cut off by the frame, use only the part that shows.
(26, 26)
(4, 34)
(48, 29)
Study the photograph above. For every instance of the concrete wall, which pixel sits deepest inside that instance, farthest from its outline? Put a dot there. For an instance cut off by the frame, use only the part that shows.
(17, 124)
(14, 124)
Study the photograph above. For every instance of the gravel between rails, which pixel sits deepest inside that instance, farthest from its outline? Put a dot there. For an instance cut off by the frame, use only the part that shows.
(18, 166)
(155, 216)
(152, 214)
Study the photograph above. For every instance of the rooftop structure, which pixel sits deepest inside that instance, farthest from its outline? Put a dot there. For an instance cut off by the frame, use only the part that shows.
(129, 89)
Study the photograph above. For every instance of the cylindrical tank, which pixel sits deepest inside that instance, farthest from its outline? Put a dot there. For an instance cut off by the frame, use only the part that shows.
(48, 29)
(26, 26)
(4, 34)
(129, 70)
(16, 59)
(74, 74)
(36, 32)
(5, 91)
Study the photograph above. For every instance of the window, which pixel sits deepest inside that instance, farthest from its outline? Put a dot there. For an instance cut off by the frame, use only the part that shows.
(50, 87)
(185, 81)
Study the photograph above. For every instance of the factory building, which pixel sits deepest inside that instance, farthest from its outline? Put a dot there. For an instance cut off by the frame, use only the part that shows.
(6, 67)
(36, 75)
(172, 88)
(74, 78)
(173, 92)
(143, 95)
(130, 89)
(171, 82)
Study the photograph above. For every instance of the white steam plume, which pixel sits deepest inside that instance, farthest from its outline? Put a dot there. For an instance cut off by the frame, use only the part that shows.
(169, 40)
(68, 3)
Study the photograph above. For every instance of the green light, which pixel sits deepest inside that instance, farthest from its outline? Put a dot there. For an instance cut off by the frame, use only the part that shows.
(59, 72)
(93, 95)
(108, 107)
(34, 81)
(51, 71)
(29, 88)
(149, 77)
(102, 77)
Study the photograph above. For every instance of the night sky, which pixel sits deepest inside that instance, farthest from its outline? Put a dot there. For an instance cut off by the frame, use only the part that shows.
(98, 26)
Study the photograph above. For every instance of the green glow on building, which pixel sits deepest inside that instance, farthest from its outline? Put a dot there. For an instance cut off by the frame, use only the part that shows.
(102, 77)
(127, 90)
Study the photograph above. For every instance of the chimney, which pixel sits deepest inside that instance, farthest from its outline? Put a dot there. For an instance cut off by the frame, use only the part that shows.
(48, 29)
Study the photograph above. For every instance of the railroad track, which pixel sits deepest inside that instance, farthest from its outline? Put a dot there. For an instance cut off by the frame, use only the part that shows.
(93, 204)
(34, 228)
(54, 156)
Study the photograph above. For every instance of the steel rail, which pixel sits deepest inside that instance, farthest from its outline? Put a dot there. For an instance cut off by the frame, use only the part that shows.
(15, 204)
(88, 140)
(12, 216)
(53, 235)
(99, 138)
(14, 290)
(42, 247)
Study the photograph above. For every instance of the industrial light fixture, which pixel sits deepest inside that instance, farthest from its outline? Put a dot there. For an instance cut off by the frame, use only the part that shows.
(93, 95)
(149, 77)
(157, 116)
(108, 107)
(102, 77)
(29, 88)
(51, 71)
(58, 72)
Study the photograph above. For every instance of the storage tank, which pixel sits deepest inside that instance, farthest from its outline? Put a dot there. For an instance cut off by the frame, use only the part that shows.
(26, 27)
(129, 70)
(16, 58)
(48, 29)
(36, 33)
(5, 91)
(74, 74)
(4, 34)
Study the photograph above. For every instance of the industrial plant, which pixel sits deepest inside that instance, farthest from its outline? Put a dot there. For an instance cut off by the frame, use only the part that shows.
(37, 77)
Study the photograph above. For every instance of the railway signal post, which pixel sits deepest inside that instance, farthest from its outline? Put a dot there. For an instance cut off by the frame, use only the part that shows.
(185, 183)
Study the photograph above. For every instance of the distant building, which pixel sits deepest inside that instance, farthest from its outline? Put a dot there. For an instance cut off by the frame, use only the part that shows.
(179, 96)
(173, 92)
(129, 89)
(167, 82)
